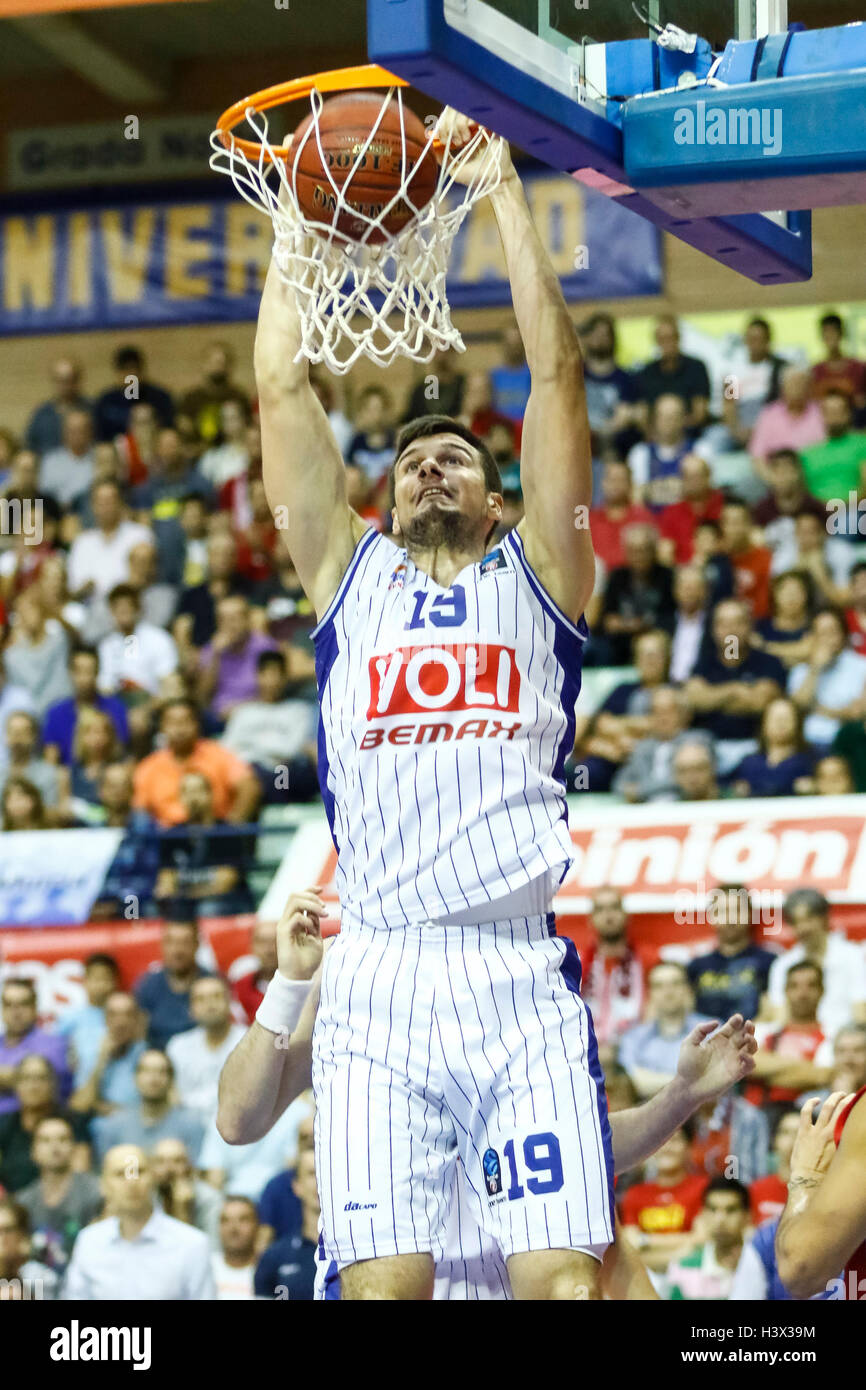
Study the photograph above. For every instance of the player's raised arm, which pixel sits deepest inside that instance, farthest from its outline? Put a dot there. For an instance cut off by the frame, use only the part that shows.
(302, 468)
(556, 455)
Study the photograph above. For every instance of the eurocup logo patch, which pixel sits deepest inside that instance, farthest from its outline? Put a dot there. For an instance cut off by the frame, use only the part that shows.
(492, 1172)
(494, 561)
(398, 578)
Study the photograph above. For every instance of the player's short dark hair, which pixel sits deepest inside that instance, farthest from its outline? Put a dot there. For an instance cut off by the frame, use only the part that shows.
(758, 322)
(832, 321)
(722, 1184)
(425, 427)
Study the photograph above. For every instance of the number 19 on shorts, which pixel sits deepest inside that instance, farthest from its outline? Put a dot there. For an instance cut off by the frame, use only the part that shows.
(535, 1167)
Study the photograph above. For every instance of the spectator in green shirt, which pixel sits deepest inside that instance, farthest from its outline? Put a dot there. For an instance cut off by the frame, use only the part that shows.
(832, 469)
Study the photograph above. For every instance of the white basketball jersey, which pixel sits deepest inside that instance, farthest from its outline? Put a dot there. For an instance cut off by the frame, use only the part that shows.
(447, 716)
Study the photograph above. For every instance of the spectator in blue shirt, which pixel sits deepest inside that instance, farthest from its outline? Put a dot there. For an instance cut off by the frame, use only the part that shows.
(128, 889)
(84, 1027)
(649, 1051)
(732, 979)
(783, 759)
(732, 685)
(163, 990)
(107, 1083)
(58, 729)
(113, 406)
(153, 1116)
(510, 381)
(279, 1204)
(45, 426)
(22, 1038)
(287, 1269)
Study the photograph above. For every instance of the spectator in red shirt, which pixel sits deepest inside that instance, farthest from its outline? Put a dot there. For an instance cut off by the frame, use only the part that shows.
(613, 983)
(617, 511)
(855, 615)
(249, 989)
(768, 1195)
(797, 1056)
(837, 372)
(751, 563)
(658, 1216)
(700, 501)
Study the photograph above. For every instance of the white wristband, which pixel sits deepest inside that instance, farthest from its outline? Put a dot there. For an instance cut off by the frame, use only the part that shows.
(282, 1004)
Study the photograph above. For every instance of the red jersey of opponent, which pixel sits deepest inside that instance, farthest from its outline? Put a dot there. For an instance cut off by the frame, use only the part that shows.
(767, 1198)
(857, 1263)
(662, 1210)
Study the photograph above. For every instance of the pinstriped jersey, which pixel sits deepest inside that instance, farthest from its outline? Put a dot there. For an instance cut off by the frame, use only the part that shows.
(446, 719)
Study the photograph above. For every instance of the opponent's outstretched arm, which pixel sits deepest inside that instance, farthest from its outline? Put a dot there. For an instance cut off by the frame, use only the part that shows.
(824, 1220)
(556, 453)
(269, 1069)
(302, 469)
(707, 1067)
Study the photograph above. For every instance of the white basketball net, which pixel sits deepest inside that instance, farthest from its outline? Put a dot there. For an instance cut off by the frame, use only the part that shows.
(355, 299)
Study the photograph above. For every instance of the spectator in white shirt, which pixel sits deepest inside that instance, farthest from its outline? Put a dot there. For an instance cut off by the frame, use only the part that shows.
(37, 657)
(831, 686)
(99, 558)
(137, 1254)
(234, 1265)
(199, 1055)
(843, 962)
(229, 457)
(828, 560)
(690, 626)
(276, 734)
(67, 472)
(137, 656)
(12, 699)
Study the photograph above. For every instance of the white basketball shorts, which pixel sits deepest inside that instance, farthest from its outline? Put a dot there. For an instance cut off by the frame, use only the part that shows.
(437, 1042)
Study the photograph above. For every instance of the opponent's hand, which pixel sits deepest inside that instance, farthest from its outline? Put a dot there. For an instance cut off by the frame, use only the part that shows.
(709, 1066)
(815, 1144)
(299, 935)
(459, 129)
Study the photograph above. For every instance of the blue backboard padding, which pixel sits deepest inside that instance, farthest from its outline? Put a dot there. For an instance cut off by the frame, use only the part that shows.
(810, 51)
(820, 122)
(412, 39)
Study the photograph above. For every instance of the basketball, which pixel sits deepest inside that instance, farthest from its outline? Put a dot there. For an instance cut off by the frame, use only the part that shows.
(344, 127)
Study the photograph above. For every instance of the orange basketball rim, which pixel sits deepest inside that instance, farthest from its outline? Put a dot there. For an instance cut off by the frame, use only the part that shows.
(338, 80)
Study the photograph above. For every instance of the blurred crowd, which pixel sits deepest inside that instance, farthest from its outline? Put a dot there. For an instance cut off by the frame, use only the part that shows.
(108, 1113)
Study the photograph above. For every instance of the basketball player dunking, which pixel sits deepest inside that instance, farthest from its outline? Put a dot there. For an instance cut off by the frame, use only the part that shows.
(450, 1022)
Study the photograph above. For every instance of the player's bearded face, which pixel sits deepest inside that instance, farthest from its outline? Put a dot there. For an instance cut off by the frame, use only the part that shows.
(434, 526)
